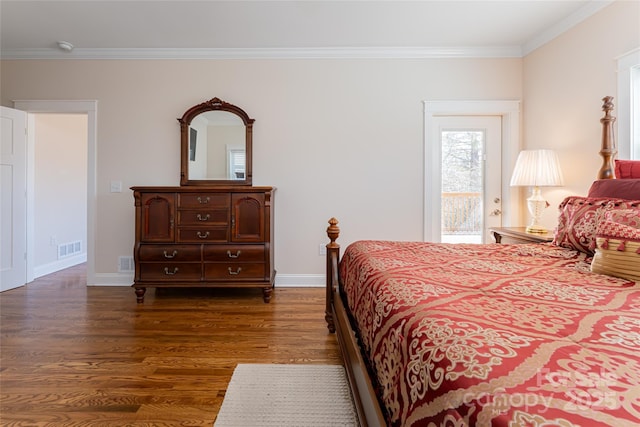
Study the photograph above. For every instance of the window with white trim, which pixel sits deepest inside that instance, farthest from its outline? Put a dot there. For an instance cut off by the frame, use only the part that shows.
(236, 163)
(634, 112)
(628, 105)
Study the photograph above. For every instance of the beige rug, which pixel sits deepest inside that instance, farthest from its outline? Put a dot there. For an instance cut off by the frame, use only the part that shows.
(287, 395)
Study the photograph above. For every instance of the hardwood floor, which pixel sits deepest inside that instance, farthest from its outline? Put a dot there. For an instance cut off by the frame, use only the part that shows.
(73, 355)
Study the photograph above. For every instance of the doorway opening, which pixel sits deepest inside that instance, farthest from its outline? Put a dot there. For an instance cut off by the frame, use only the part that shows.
(59, 190)
(87, 109)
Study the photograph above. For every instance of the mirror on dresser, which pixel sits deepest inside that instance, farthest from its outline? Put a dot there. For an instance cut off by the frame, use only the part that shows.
(215, 229)
(216, 141)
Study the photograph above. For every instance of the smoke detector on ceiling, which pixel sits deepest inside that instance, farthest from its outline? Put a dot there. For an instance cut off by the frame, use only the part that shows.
(66, 46)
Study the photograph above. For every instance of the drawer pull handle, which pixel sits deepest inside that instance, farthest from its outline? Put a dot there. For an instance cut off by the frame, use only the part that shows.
(237, 254)
(170, 273)
(203, 218)
(235, 272)
(202, 236)
(166, 255)
(203, 201)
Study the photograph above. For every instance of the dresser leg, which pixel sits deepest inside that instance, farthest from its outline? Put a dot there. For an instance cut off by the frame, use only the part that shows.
(140, 295)
(266, 293)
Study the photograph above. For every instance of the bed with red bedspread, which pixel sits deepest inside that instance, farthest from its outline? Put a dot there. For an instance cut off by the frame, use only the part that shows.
(437, 334)
(508, 335)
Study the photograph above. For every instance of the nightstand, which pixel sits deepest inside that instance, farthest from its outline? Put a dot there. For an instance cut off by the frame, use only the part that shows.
(519, 235)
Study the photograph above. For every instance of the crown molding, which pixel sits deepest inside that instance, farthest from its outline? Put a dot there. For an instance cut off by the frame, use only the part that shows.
(271, 53)
(509, 51)
(564, 25)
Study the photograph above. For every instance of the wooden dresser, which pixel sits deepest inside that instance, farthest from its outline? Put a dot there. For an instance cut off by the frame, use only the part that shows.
(203, 236)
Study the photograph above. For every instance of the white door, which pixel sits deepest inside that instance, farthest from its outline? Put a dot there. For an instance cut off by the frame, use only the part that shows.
(469, 199)
(13, 198)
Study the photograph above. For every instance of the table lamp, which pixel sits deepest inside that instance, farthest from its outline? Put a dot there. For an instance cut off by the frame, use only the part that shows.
(537, 168)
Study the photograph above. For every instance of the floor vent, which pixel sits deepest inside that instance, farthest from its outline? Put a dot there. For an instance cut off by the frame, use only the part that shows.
(125, 264)
(69, 249)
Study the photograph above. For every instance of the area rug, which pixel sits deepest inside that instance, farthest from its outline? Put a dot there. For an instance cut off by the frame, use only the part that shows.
(268, 395)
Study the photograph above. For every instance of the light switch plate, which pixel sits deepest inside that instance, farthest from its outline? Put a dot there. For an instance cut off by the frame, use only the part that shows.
(116, 186)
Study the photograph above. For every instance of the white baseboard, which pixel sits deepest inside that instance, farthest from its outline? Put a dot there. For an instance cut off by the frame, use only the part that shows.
(112, 279)
(61, 264)
(300, 281)
(282, 280)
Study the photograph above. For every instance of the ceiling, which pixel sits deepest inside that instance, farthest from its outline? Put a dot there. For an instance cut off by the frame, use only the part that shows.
(238, 28)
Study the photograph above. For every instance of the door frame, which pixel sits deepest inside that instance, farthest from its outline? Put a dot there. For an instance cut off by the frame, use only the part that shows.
(509, 111)
(90, 108)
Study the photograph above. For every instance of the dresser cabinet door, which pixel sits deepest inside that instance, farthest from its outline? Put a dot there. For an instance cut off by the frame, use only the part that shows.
(157, 217)
(247, 217)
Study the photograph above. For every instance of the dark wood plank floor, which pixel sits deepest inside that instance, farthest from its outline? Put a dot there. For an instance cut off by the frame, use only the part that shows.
(73, 355)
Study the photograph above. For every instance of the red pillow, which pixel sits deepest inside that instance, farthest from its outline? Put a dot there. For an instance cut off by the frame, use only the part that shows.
(627, 169)
(628, 189)
(578, 220)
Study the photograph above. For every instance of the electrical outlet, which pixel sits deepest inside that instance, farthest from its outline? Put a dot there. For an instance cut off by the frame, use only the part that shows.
(322, 249)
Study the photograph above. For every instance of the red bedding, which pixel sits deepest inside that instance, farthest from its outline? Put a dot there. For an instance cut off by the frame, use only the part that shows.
(495, 335)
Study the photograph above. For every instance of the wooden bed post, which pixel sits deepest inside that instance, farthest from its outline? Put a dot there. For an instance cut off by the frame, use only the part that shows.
(608, 149)
(333, 255)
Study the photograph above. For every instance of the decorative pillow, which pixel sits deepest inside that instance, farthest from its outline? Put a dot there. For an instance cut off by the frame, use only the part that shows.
(618, 244)
(619, 188)
(627, 169)
(578, 219)
(628, 217)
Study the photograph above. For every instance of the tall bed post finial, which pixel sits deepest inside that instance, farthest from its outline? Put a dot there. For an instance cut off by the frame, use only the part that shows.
(333, 231)
(333, 256)
(608, 149)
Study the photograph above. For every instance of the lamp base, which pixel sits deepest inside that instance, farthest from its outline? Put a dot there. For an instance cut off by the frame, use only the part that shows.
(536, 205)
(536, 229)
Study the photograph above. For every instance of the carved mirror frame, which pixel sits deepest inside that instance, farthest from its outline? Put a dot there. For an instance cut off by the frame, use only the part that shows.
(215, 104)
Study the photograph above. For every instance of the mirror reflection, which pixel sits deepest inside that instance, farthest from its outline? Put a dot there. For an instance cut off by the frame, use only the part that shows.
(217, 147)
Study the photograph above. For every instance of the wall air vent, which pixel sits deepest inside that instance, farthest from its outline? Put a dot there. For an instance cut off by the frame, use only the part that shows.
(126, 264)
(69, 249)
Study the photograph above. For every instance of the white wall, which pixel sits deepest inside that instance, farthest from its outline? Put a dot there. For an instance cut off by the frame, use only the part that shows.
(60, 187)
(563, 84)
(338, 138)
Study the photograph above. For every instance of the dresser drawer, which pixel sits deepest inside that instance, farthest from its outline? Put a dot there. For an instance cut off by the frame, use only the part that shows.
(203, 234)
(233, 271)
(169, 252)
(204, 217)
(204, 200)
(171, 271)
(236, 253)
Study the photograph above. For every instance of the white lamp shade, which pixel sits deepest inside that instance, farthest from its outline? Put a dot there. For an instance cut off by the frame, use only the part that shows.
(537, 168)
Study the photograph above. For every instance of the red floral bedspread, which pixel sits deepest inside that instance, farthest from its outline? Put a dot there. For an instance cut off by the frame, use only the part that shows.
(495, 335)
